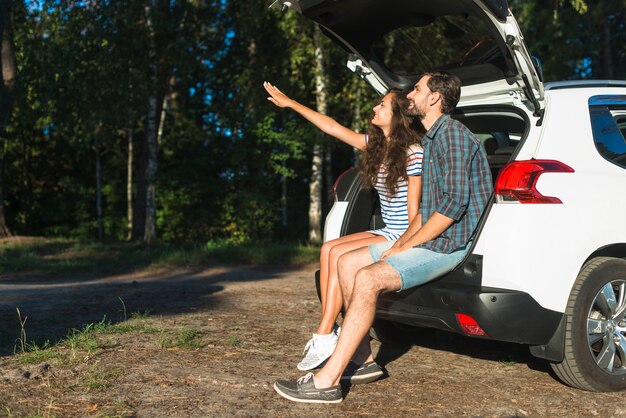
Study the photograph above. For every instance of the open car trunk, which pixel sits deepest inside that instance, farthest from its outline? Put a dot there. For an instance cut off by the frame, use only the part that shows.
(390, 42)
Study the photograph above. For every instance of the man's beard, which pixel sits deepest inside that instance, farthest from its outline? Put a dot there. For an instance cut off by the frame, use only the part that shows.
(416, 111)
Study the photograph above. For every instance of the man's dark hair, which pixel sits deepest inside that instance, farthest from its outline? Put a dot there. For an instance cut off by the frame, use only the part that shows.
(448, 86)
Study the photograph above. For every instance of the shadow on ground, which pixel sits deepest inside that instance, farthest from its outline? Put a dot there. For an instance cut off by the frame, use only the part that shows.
(473, 347)
(51, 307)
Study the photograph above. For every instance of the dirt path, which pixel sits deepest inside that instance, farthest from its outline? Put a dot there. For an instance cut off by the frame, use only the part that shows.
(250, 326)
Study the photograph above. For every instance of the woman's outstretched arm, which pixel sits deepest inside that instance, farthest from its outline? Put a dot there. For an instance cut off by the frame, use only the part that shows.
(323, 122)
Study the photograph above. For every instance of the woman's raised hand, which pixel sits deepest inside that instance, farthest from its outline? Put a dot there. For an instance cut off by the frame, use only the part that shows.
(324, 123)
(277, 97)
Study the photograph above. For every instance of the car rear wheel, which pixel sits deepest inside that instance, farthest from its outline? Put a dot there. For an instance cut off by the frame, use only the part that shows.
(595, 335)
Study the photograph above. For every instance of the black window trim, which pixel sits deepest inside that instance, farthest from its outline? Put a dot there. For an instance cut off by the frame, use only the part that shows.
(607, 137)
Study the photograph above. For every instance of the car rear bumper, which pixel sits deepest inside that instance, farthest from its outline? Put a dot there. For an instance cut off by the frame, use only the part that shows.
(504, 315)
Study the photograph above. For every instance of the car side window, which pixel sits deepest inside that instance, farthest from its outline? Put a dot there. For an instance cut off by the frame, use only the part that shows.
(608, 123)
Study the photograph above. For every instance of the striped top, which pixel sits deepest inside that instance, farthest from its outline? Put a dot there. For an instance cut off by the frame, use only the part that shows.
(394, 208)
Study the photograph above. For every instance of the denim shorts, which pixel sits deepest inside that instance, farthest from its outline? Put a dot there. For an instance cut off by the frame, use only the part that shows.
(416, 265)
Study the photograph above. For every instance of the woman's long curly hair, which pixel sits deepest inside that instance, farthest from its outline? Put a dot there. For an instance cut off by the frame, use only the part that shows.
(405, 131)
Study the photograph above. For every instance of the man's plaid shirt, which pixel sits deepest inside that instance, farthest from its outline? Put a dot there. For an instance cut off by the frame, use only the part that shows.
(456, 182)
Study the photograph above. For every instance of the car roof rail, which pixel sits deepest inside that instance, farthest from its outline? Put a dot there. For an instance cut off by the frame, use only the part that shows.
(556, 85)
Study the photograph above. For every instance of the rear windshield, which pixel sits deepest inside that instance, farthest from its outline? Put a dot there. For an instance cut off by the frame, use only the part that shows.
(461, 41)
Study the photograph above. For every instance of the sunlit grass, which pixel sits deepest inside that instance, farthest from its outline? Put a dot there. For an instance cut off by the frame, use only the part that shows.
(233, 340)
(99, 379)
(36, 354)
(189, 338)
(260, 253)
(41, 256)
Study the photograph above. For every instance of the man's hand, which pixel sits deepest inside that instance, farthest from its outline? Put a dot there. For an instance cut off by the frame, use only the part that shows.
(395, 249)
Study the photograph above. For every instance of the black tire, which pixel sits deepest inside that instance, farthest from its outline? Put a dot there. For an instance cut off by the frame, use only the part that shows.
(595, 334)
(394, 333)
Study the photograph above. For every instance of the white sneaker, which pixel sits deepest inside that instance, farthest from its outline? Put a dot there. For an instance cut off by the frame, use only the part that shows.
(317, 350)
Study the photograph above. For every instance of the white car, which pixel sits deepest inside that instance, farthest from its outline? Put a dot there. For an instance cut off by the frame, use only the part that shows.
(547, 267)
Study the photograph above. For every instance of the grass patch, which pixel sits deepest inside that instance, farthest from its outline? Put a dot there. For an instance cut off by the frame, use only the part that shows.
(131, 327)
(41, 256)
(233, 340)
(88, 339)
(271, 253)
(99, 379)
(39, 355)
(509, 362)
(188, 338)
(140, 315)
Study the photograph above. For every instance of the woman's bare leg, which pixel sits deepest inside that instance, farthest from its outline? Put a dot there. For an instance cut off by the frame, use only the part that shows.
(325, 264)
(323, 342)
(333, 297)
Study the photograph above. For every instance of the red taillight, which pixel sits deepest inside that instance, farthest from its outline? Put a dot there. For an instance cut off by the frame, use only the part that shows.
(338, 180)
(518, 179)
(469, 325)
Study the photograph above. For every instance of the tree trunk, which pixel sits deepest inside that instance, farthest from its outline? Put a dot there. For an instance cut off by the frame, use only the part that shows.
(151, 169)
(315, 193)
(607, 56)
(98, 193)
(155, 105)
(9, 72)
(356, 121)
(129, 184)
(139, 211)
(283, 201)
(328, 171)
(315, 185)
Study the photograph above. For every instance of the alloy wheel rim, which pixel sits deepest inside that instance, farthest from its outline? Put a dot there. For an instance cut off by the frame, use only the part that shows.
(606, 328)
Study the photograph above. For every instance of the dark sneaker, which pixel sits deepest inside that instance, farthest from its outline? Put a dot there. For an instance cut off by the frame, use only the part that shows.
(304, 390)
(366, 373)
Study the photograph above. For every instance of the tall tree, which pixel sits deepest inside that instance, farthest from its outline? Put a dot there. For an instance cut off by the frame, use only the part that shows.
(9, 73)
(321, 101)
(155, 106)
(164, 22)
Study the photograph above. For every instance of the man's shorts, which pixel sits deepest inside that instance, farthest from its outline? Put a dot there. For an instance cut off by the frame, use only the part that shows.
(416, 265)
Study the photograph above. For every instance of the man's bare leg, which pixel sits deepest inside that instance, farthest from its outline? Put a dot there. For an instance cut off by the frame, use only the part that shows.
(348, 267)
(368, 283)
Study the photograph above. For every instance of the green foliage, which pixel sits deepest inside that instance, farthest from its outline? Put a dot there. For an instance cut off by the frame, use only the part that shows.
(286, 143)
(226, 154)
(580, 6)
(248, 217)
(574, 38)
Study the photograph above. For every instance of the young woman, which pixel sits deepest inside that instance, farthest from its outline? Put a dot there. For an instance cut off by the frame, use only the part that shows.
(392, 164)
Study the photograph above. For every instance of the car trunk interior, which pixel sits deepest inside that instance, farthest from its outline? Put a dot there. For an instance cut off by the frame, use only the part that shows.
(499, 129)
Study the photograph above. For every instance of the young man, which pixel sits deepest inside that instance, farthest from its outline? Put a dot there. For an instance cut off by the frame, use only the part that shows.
(457, 184)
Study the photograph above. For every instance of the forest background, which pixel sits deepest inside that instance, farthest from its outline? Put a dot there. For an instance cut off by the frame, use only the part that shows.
(146, 120)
